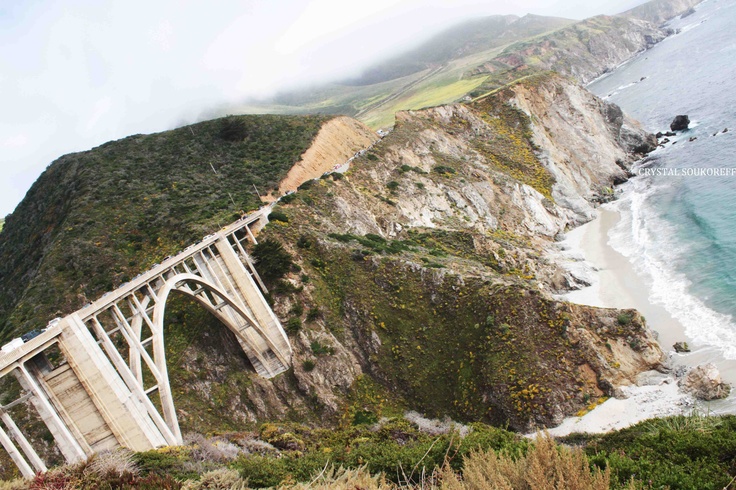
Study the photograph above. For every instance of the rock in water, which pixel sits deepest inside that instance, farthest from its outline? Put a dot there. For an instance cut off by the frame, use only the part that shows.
(680, 123)
(704, 382)
(681, 347)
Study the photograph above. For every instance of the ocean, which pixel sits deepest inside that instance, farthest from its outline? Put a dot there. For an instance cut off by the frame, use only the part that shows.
(678, 224)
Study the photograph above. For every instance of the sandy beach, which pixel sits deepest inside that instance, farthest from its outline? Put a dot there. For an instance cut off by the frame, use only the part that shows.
(615, 284)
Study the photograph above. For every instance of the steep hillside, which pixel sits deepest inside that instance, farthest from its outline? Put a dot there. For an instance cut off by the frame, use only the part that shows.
(419, 280)
(337, 141)
(659, 11)
(465, 39)
(584, 50)
(95, 219)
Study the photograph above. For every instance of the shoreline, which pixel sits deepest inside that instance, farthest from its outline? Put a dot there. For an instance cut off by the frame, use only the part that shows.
(614, 283)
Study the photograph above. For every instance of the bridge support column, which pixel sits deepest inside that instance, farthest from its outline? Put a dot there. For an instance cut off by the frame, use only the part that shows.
(249, 293)
(123, 413)
(17, 458)
(25, 446)
(65, 440)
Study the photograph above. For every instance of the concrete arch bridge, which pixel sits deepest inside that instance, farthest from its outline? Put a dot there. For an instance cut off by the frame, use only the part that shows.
(97, 376)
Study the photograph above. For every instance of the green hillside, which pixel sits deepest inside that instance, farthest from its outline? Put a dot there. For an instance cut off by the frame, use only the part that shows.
(95, 219)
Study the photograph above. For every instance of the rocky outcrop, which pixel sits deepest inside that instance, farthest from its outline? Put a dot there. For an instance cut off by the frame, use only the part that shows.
(681, 347)
(587, 144)
(659, 11)
(704, 382)
(680, 123)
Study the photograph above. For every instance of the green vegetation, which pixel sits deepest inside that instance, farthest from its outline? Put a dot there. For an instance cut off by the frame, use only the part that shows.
(95, 219)
(272, 261)
(435, 347)
(373, 242)
(293, 325)
(511, 148)
(624, 319)
(686, 453)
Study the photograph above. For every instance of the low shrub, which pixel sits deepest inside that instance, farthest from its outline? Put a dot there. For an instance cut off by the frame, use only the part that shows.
(271, 260)
(277, 215)
(293, 325)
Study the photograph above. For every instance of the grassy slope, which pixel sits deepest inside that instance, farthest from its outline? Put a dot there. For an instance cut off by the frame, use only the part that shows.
(95, 219)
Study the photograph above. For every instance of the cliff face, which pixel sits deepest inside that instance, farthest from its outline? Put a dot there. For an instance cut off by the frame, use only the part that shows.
(659, 11)
(584, 142)
(584, 50)
(424, 267)
(337, 141)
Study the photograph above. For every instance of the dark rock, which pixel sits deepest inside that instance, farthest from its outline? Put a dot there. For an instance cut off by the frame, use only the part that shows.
(725, 130)
(704, 382)
(670, 134)
(619, 179)
(688, 13)
(665, 141)
(659, 134)
(642, 79)
(614, 115)
(681, 347)
(693, 138)
(680, 123)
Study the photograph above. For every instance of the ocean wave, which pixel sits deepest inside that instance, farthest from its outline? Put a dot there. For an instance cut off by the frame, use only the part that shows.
(652, 246)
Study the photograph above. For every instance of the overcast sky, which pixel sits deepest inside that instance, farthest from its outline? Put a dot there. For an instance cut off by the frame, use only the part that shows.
(77, 73)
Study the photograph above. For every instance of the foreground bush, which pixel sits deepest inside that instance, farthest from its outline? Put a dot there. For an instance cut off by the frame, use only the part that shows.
(693, 452)
(683, 452)
(546, 466)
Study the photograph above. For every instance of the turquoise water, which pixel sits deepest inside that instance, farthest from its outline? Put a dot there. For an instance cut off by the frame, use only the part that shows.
(679, 231)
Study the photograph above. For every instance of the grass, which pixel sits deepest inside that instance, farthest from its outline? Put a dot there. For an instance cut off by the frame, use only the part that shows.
(434, 93)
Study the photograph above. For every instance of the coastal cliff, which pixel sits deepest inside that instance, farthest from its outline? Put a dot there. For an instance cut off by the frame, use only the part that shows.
(418, 280)
(659, 11)
(584, 50)
(425, 268)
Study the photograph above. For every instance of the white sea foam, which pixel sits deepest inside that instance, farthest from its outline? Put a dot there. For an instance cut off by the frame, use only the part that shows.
(651, 244)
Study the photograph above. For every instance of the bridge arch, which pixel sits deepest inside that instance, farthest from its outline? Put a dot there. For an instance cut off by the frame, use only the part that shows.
(224, 308)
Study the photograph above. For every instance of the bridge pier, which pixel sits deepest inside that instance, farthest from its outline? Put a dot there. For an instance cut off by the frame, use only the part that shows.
(65, 440)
